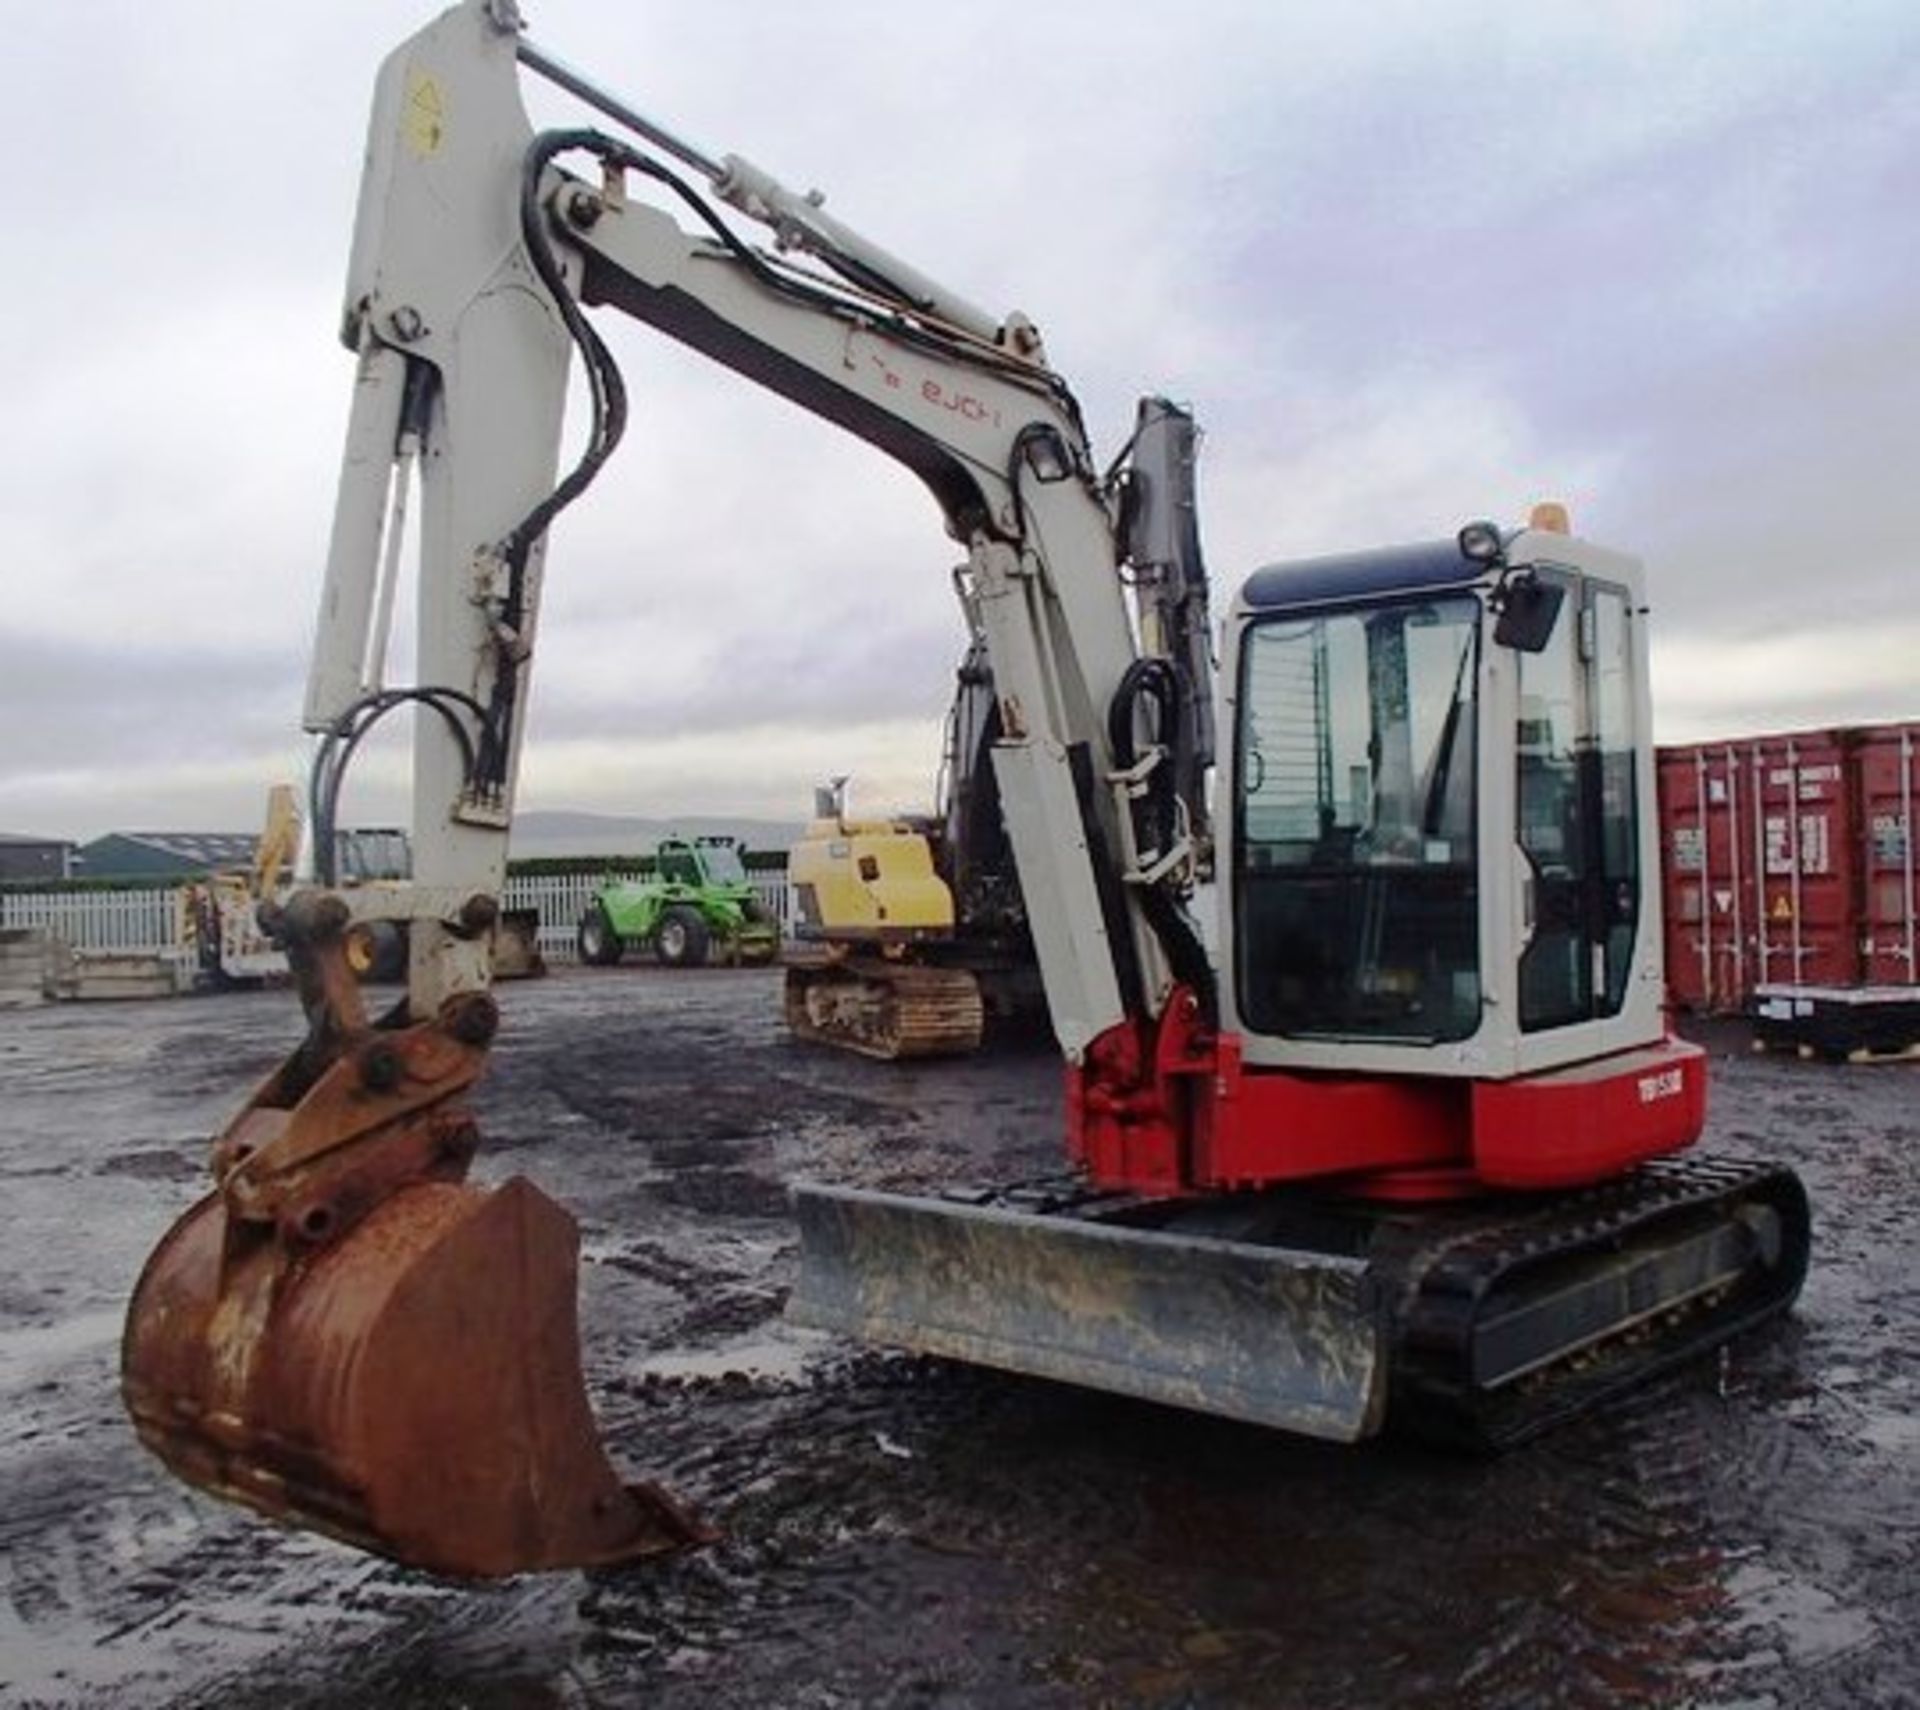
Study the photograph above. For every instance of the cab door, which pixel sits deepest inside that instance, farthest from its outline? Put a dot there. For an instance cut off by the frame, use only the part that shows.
(1578, 810)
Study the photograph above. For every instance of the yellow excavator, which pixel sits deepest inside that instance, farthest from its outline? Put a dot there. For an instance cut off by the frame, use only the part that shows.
(1404, 1136)
(910, 932)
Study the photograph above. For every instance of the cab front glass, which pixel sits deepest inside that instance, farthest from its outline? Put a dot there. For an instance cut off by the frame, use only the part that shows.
(723, 864)
(1356, 879)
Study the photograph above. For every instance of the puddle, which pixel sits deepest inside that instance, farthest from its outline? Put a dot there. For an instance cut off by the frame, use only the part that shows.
(1810, 1623)
(783, 1359)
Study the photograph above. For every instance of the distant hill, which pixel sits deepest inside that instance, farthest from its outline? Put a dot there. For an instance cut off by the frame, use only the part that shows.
(537, 835)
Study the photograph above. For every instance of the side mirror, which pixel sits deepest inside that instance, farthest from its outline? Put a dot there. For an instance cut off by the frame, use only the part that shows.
(1529, 609)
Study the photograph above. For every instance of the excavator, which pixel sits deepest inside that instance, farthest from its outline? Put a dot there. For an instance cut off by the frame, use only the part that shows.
(908, 931)
(1406, 1140)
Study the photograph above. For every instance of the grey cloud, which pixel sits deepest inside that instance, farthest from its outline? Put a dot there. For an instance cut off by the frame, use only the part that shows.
(1675, 258)
(1716, 311)
(867, 668)
(119, 704)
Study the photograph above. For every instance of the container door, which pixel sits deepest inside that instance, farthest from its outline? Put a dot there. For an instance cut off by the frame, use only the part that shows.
(1808, 923)
(1887, 770)
(1704, 870)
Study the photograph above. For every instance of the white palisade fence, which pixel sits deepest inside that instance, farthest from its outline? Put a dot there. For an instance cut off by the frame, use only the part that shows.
(148, 922)
(130, 922)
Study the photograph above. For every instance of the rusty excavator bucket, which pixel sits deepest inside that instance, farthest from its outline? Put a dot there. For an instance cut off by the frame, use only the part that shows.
(347, 1336)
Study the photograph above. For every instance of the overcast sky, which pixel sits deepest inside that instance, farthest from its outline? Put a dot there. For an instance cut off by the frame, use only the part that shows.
(1411, 264)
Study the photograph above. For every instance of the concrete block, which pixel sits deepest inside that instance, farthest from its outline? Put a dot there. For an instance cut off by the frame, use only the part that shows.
(25, 961)
(116, 978)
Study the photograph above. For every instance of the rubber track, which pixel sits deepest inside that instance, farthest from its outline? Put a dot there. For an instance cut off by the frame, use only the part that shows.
(1441, 1287)
(889, 1011)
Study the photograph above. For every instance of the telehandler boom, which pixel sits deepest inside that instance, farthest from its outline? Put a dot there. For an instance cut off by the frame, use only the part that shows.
(1403, 1139)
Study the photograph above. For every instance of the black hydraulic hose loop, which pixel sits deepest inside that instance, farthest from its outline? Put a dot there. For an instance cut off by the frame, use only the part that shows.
(331, 765)
(1156, 677)
(609, 393)
(1155, 680)
(340, 741)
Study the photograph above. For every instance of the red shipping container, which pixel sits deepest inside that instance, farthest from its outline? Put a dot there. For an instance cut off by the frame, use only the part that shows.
(1789, 861)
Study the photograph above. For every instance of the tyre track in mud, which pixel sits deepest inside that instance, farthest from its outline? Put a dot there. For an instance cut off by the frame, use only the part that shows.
(899, 1531)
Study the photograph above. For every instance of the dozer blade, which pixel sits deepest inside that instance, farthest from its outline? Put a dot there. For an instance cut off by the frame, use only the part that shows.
(1266, 1334)
(412, 1387)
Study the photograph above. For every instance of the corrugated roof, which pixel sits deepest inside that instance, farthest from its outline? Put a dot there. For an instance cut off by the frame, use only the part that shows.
(204, 848)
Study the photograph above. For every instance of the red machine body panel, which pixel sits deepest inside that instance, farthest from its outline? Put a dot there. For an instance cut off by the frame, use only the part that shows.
(1185, 1114)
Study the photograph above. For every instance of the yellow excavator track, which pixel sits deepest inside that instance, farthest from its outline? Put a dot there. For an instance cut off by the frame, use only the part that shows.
(886, 1010)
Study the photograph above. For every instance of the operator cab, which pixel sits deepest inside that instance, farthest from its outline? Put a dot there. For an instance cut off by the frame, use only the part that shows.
(704, 861)
(1440, 849)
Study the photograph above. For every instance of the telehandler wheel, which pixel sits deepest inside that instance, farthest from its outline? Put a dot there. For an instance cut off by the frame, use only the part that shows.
(681, 938)
(600, 945)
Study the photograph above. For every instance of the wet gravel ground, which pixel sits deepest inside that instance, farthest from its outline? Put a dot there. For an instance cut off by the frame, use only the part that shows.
(900, 1532)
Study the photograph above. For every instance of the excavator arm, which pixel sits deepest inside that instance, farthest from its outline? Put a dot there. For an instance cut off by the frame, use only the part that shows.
(476, 244)
(330, 1336)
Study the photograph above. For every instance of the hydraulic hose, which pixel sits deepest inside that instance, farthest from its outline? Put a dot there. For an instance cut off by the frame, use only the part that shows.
(1154, 682)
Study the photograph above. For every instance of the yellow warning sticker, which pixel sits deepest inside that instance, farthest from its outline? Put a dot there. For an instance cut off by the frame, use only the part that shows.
(424, 122)
(1782, 909)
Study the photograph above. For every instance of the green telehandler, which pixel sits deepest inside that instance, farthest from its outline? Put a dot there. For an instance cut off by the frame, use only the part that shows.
(696, 906)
